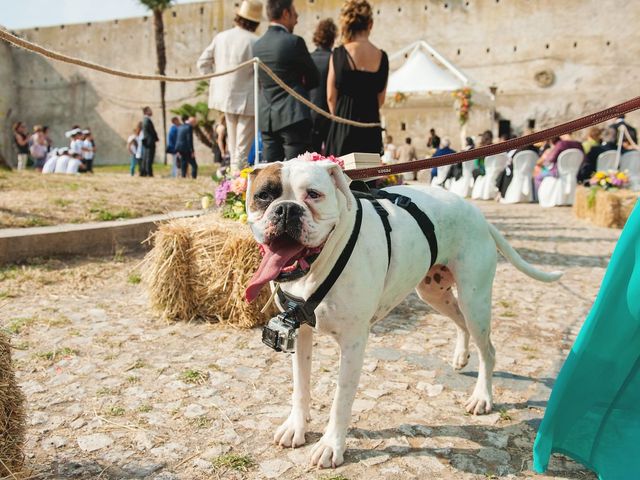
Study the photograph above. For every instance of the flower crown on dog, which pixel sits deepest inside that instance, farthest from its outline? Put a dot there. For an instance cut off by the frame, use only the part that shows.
(316, 157)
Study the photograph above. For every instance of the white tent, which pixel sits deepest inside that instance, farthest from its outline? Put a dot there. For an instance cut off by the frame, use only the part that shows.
(421, 75)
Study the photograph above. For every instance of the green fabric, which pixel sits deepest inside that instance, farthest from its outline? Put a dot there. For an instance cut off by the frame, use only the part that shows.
(593, 414)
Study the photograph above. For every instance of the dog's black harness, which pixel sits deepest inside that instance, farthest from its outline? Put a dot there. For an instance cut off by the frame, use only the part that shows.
(301, 311)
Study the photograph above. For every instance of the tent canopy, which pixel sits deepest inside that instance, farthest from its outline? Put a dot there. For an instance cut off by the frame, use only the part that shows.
(425, 71)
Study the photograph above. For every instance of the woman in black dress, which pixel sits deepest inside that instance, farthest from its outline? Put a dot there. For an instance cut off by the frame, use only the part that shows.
(356, 84)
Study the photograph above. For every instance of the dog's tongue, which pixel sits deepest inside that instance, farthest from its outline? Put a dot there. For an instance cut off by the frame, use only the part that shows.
(276, 256)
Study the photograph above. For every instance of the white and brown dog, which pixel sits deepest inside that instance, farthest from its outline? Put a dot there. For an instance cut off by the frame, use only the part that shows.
(301, 208)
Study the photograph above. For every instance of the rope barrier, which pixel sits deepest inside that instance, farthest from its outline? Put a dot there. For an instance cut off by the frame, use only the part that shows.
(558, 130)
(32, 47)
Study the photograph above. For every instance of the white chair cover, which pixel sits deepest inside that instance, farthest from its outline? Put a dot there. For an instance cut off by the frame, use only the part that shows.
(630, 162)
(607, 161)
(463, 185)
(521, 186)
(562, 190)
(484, 187)
(439, 178)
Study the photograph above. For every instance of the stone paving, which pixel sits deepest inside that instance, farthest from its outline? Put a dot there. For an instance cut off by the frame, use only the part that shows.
(116, 393)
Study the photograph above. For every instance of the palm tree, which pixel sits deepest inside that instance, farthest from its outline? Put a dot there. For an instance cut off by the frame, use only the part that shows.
(158, 7)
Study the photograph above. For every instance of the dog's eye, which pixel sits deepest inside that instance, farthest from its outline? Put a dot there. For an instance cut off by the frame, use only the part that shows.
(313, 194)
(263, 196)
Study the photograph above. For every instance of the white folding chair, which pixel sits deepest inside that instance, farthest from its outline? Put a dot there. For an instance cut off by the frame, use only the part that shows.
(463, 185)
(484, 187)
(607, 161)
(521, 186)
(562, 190)
(630, 162)
(439, 178)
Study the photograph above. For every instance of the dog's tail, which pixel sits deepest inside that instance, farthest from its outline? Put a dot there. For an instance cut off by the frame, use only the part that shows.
(517, 261)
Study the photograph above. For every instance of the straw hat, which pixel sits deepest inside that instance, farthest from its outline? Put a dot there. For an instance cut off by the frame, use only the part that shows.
(251, 10)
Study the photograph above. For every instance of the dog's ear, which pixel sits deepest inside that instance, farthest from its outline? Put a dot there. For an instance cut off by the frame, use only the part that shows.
(340, 179)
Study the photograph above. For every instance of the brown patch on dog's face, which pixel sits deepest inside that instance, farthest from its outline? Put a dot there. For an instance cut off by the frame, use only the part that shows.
(266, 186)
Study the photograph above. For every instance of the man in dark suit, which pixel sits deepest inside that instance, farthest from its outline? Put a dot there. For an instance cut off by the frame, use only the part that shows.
(285, 123)
(149, 140)
(184, 146)
(323, 38)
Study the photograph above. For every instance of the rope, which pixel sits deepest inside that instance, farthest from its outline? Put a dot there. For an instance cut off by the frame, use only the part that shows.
(558, 130)
(306, 102)
(32, 47)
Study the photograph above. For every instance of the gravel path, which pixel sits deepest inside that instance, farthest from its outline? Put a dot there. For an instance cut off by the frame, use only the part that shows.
(115, 393)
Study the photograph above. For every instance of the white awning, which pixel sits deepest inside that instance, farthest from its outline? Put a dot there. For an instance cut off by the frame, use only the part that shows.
(419, 74)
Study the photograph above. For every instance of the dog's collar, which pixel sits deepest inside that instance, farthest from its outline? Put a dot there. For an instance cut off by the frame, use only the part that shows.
(299, 272)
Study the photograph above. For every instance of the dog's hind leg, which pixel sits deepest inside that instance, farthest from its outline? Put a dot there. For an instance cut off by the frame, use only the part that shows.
(474, 297)
(292, 432)
(436, 290)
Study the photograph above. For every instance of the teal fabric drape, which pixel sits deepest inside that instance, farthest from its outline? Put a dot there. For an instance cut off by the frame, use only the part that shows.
(593, 415)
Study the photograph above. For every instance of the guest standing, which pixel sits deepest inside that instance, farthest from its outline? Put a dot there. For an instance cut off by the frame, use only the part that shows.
(285, 123)
(184, 146)
(21, 140)
(171, 145)
(38, 147)
(434, 140)
(407, 153)
(357, 83)
(133, 146)
(149, 140)
(88, 150)
(233, 93)
(324, 38)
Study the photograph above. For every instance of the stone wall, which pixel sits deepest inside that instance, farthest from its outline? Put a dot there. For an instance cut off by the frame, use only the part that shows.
(518, 46)
(7, 94)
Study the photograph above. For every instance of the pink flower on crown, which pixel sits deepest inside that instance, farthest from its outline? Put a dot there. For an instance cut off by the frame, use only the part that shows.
(316, 157)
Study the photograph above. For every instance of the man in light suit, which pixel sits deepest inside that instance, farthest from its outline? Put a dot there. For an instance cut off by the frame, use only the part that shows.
(233, 93)
(149, 140)
(285, 123)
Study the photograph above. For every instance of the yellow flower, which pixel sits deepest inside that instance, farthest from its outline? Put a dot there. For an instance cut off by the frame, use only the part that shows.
(244, 173)
(238, 208)
(243, 218)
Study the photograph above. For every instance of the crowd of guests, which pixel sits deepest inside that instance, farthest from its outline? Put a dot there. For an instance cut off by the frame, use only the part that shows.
(598, 140)
(37, 150)
(348, 81)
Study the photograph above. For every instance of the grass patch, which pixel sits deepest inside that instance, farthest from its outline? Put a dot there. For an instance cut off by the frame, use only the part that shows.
(105, 215)
(504, 415)
(72, 186)
(201, 422)
(106, 391)
(333, 477)
(145, 408)
(118, 255)
(55, 355)
(508, 314)
(17, 325)
(137, 364)
(195, 377)
(61, 202)
(133, 379)
(6, 294)
(239, 463)
(35, 222)
(504, 304)
(134, 278)
(61, 321)
(116, 411)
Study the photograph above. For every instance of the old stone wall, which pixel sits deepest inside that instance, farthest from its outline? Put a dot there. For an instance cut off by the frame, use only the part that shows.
(550, 61)
(7, 94)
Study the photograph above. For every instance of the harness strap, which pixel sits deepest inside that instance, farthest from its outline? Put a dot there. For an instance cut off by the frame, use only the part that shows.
(424, 222)
(384, 218)
(304, 311)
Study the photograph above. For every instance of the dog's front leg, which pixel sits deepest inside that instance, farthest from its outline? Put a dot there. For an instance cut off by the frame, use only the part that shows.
(291, 432)
(329, 451)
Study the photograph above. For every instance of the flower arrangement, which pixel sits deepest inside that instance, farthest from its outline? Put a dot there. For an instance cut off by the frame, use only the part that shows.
(231, 194)
(610, 180)
(398, 98)
(463, 104)
(613, 179)
(389, 181)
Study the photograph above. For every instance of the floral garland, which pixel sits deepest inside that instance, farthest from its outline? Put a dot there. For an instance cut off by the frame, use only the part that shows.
(463, 104)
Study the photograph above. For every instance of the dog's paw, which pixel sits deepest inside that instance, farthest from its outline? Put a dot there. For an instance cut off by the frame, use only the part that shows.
(479, 404)
(291, 432)
(328, 452)
(460, 359)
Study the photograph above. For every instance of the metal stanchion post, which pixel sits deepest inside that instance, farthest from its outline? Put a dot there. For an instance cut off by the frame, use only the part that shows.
(256, 144)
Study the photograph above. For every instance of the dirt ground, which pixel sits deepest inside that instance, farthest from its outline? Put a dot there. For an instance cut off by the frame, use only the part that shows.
(115, 393)
(30, 199)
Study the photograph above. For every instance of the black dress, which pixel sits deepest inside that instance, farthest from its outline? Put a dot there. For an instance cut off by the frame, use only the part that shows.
(357, 100)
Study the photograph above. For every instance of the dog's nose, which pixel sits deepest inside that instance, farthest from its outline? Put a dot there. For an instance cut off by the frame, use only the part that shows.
(287, 211)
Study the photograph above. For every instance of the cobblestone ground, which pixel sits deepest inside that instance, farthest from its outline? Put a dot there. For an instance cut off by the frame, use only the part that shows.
(115, 393)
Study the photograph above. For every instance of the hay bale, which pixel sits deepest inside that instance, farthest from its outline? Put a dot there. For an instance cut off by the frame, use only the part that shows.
(12, 415)
(608, 209)
(199, 269)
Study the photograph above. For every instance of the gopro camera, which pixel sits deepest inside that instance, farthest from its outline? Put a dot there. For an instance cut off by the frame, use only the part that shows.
(281, 332)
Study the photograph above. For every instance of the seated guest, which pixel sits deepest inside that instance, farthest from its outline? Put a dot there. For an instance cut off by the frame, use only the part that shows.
(50, 163)
(632, 134)
(504, 178)
(594, 137)
(455, 172)
(589, 165)
(486, 138)
(63, 160)
(548, 161)
(443, 149)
